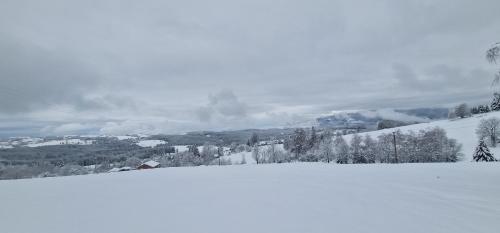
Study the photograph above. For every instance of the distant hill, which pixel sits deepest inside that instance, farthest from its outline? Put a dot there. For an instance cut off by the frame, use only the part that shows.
(463, 130)
(369, 119)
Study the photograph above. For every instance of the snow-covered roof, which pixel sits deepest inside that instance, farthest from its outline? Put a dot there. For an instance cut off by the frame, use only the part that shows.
(151, 163)
(115, 169)
(125, 168)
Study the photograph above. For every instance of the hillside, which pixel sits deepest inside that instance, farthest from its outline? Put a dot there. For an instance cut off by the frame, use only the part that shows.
(463, 130)
(299, 197)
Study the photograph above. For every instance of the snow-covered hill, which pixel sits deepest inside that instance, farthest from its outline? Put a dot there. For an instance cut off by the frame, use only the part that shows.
(61, 142)
(298, 197)
(463, 130)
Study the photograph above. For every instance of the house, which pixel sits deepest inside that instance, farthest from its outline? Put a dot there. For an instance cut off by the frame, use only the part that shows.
(149, 165)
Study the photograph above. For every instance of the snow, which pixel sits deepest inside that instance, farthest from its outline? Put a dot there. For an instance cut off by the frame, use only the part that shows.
(151, 163)
(125, 137)
(297, 197)
(115, 169)
(463, 130)
(236, 158)
(31, 140)
(62, 142)
(181, 148)
(150, 143)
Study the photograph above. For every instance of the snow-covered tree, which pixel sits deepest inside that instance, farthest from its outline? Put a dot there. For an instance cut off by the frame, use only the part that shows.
(254, 139)
(194, 149)
(356, 154)
(385, 148)
(483, 108)
(488, 129)
(272, 152)
(495, 103)
(208, 152)
(341, 149)
(369, 149)
(133, 162)
(243, 159)
(299, 143)
(451, 114)
(452, 150)
(256, 154)
(462, 111)
(482, 153)
(313, 139)
(326, 149)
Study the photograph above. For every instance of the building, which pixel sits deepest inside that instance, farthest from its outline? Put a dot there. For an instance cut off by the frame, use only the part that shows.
(149, 165)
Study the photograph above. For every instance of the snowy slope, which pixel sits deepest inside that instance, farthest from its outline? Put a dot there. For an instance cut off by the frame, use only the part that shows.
(463, 130)
(237, 158)
(298, 197)
(150, 143)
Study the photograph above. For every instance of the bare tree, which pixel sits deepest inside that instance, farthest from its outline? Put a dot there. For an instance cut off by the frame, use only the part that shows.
(326, 148)
(256, 153)
(272, 152)
(488, 128)
(492, 55)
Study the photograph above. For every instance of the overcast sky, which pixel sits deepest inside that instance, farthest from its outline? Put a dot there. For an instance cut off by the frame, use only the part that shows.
(170, 66)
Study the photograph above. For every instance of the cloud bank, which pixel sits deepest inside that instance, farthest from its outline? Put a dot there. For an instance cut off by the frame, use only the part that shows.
(119, 67)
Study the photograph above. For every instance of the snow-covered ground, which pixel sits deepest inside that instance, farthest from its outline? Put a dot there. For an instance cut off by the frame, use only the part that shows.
(61, 142)
(237, 158)
(150, 143)
(181, 148)
(125, 137)
(463, 130)
(297, 197)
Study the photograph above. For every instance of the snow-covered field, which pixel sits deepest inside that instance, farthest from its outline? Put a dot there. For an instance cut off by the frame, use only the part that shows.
(150, 143)
(463, 130)
(125, 137)
(61, 142)
(297, 197)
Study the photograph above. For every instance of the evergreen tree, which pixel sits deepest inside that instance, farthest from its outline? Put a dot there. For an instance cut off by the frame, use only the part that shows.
(495, 104)
(483, 109)
(194, 149)
(254, 139)
(475, 110)
(462, 111)
(482, 153)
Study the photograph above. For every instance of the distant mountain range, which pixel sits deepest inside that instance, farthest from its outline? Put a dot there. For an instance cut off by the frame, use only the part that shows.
(369, 119)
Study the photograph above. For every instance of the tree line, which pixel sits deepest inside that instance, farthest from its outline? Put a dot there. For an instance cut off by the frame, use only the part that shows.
(429, 145)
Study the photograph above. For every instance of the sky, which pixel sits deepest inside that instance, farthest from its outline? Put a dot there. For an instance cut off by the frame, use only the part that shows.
(124, 67)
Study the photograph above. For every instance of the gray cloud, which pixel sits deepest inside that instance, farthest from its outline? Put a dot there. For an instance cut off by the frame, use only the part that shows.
(224, 104)
(34, 78)
(128, 66)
